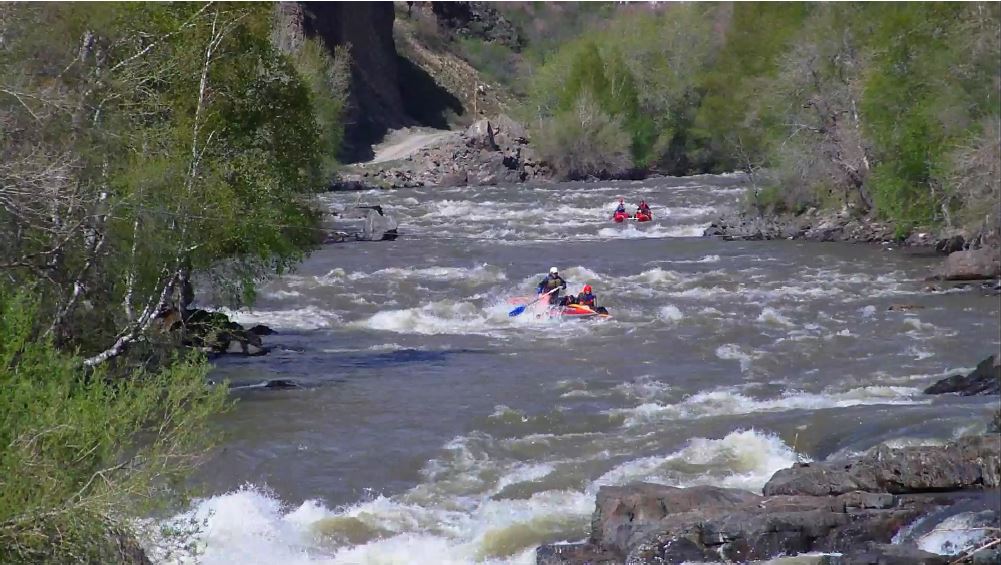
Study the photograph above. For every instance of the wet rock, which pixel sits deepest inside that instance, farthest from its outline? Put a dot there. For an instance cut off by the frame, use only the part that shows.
(950, 244)
(891, 554)
(567, 553)
(625, 514)
(844, 508)
(281, 384)
(985, 379)
(261, 329)
(972, 462)
(974, 264)
(904, 307)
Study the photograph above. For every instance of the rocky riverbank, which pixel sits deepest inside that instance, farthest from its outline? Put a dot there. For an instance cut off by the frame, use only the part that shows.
(971, 256)
(489, 152)
(881, 507)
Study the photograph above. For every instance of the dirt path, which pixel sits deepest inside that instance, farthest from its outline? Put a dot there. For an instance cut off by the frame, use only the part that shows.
(403, 143)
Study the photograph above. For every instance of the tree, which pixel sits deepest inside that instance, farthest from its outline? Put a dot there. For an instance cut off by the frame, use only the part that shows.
(172, 140)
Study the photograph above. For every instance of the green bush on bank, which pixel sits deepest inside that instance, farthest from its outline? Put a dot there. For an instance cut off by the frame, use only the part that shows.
(84, 450)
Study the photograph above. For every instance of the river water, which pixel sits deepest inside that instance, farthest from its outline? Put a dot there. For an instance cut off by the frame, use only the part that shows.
(431, 427)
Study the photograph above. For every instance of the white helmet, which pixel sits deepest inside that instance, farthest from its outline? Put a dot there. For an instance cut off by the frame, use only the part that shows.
(553, 270)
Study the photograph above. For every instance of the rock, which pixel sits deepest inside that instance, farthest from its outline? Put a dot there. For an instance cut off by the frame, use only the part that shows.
(624, 514)
(846, 509)
(891, 554)
(508, 132)
(904, 307)
(975, 264)
(261, 329)
(985, 379)
(566, 553)
(783, 525)
(971, 462)
(950, 244)
(481, 135)
(281, 384)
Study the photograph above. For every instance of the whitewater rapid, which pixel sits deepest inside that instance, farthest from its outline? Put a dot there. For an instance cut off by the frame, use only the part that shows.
(430, 426)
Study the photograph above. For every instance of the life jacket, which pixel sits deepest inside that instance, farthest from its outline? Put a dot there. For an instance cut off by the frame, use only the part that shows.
(552, 282)
(586, 299)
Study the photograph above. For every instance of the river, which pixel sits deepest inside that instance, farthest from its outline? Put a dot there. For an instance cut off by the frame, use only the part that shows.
(431, 427)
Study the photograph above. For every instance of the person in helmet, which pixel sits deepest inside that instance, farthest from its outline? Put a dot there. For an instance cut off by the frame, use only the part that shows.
(644, 209)
(552, 281)
(621, 209)
(587, 298)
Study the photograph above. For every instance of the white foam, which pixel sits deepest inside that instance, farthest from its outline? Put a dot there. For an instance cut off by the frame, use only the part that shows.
(743, 459)
(954, 535)
(727, 402)
(771, 316)
(733, 352)
(670, 313)
(307, 318)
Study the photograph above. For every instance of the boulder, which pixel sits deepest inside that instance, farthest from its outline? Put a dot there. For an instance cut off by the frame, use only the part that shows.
(971, 462)
(261, 329)
(481, 135)
(624, 514)
(508, 132)
(974, 264)
(985, 379)
(846, 509)
(950, 244)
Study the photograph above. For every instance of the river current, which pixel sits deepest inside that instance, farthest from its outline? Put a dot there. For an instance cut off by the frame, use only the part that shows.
(431, 427)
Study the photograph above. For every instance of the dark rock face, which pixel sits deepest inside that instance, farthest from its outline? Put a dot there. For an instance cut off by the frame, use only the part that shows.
(985, 379)
(476, 19)
(387, 91)
(972, 462)
(852, 508)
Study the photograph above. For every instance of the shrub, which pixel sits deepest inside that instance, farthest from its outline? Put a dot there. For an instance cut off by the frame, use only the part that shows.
(584, 142)
(86, 450)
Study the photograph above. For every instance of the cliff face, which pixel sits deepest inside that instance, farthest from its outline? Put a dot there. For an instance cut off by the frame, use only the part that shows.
(375, 103)
(395, 86)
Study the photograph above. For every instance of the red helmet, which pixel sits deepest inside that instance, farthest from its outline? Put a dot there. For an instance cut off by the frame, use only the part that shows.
(587, 288)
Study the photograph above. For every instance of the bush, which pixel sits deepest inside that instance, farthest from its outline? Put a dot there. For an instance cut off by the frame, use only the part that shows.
(86, 450)
(585, 142)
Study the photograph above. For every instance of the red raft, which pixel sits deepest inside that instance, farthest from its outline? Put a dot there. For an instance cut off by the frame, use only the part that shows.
(620, 217)
(641, 217)
(578, 311)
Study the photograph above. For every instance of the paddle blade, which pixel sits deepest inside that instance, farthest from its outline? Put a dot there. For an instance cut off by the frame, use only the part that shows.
(516, 311)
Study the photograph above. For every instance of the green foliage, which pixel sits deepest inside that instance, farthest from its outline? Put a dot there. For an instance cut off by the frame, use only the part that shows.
(85, 449)
(498, 62)
(172, 140)
(882, 107)
(585, 141)
(327, 75)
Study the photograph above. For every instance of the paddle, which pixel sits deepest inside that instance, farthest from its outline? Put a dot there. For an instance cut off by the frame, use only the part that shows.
(517, 311)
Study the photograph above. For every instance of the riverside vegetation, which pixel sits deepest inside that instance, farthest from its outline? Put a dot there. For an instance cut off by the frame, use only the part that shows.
(886, 109)
(147, 146)
(143, 146)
